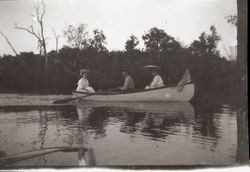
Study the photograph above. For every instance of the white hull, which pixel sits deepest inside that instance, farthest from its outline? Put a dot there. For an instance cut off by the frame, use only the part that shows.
(160, 94)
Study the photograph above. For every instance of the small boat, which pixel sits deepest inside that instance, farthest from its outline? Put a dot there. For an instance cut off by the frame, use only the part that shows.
(184, 91)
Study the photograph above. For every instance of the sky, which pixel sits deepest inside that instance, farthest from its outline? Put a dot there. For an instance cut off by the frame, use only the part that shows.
(183, 19)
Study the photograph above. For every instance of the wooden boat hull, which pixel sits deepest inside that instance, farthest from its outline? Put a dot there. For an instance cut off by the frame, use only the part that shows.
(158, 94)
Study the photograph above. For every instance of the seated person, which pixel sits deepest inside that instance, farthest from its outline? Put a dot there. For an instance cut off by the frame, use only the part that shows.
(128, 82)
(83, 83)
(157, 81)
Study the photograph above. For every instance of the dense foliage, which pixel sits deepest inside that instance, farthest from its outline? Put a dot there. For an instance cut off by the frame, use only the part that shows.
(210, 72)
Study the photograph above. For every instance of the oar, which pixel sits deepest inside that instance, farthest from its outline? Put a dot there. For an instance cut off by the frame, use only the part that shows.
(69, 99)
(75, 98)
(35, 153)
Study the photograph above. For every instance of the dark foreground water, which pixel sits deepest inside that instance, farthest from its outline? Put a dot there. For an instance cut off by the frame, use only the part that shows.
(121, 134)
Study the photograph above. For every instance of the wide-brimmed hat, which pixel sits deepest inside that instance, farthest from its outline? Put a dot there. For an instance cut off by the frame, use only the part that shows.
(82, 71)
(151, 67)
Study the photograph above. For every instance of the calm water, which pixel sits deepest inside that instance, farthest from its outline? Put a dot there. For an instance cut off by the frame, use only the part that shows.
(108, 134)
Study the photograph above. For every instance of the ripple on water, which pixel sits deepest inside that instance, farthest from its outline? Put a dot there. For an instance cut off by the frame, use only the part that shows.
(121, 136)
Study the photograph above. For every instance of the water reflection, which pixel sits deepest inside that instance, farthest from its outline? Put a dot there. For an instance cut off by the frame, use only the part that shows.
(110, 133)
(242, 155)
(206, 123)
(157, 120)
(90, 119)
(86, 157)
(43, 127)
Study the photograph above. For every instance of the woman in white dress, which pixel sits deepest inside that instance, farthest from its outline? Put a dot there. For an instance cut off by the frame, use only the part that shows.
(83, 83)
(157, 81)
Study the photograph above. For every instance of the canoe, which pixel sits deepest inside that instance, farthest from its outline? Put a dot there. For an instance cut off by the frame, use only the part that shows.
(186, 93)
(157, 94)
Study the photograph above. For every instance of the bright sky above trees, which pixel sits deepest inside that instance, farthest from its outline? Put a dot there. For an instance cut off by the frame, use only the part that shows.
(183, 19)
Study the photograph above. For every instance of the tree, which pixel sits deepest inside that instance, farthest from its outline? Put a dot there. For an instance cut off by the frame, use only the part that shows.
(233, 19)
(56, 38)
(242, 38)
(7, 40)
(131, 43)
(156, 40)
(213, 40)
(39, 35)
(206, 44)
(232, 52)
(99, 41)
(77, 37)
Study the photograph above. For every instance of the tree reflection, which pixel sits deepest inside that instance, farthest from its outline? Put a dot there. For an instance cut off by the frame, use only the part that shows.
(84, 123)
(43, 125)
(161, 125)
(132, 120)
(97, 121)
(242, 155)
(2, 155)
(206, 125)
(205, 122)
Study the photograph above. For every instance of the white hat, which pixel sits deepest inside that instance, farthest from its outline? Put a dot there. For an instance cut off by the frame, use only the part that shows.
(82, 71)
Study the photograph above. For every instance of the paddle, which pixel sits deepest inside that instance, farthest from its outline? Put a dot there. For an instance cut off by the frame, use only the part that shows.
(36, 153)
(69, 99)
(75, 98)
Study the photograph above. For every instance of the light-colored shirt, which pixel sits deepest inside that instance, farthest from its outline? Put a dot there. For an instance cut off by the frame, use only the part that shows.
(157, 82)
(83, 86)
(83, 83)
(128, 83)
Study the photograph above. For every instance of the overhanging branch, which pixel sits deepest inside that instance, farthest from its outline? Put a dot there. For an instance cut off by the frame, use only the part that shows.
(31, 31)
(7, 40)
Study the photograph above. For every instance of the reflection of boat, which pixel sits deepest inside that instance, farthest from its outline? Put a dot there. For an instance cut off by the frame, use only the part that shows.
(86, 157)
(167, 108)
(84, 112)
(183, 92)
(145, 117)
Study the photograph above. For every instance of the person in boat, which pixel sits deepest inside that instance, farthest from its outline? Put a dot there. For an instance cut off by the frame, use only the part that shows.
(128, 82)
(157, 80)
(83, 83)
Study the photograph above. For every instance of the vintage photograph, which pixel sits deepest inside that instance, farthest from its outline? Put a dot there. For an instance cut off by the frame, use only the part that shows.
(127, 84)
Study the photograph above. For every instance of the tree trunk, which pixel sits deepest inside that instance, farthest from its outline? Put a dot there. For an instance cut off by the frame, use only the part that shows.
(46, 62)
(242, 153)
(242, 46)
(242, 116)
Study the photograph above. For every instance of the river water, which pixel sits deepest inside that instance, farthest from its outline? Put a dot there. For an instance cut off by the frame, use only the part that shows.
(35, 133)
